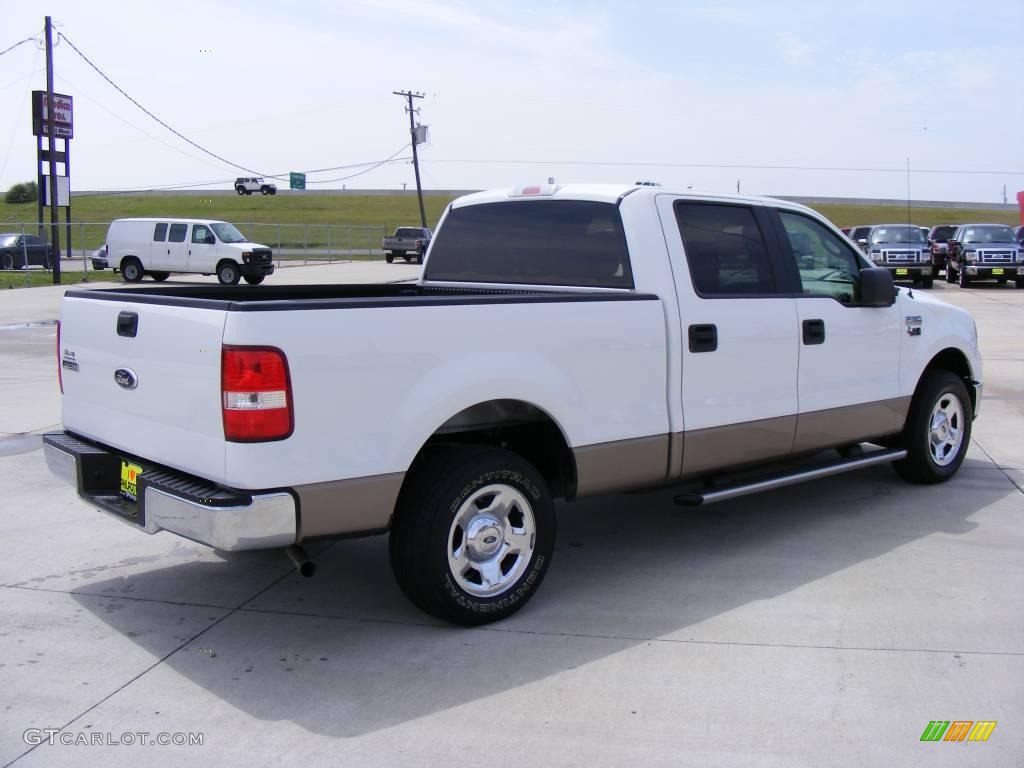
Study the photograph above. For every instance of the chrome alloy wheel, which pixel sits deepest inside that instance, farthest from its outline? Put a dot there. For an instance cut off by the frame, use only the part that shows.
(946, 429)
(491, 540)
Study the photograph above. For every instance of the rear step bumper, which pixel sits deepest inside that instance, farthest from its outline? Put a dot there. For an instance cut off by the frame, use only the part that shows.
(723, 493)
(219, 517)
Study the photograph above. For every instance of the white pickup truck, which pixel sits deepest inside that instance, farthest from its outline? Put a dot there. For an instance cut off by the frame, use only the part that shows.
(561, 342)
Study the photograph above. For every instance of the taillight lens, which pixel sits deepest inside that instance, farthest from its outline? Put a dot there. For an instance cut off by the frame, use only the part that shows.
(256, 394)
(60, 376)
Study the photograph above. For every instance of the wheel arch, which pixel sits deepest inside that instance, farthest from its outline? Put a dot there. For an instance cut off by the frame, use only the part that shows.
(515, 425)
(955, 361)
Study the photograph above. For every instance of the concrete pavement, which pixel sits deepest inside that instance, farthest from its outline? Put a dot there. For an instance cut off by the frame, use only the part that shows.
(825, 624)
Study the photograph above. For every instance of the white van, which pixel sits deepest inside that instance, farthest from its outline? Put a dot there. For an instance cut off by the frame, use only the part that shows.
(158, 247)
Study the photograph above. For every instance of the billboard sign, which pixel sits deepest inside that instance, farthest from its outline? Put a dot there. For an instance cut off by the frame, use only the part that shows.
(296, 180)
(63, 114)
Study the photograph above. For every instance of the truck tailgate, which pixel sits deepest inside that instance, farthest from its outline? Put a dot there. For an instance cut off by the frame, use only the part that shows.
(172, 414)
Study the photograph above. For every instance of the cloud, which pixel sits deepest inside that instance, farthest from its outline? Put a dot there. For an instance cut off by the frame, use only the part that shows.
(794, 50)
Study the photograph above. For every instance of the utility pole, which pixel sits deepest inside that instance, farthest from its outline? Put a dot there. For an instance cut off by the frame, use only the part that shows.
(51, 140)
(410, 95)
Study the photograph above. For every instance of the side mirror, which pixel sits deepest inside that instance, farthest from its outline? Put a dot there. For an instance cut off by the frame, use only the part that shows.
(876, 287)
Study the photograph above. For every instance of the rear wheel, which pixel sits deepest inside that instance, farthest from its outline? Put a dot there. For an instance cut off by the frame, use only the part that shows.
(473, 534)
(254, 279)
(131, 270)
(227, 273)
(159, 276)
(938, 429)
(389, 257)
(240, 190)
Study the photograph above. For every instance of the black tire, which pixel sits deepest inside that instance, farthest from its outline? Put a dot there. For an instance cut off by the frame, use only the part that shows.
(441, 490)
(248, 191)
(927, 282)
(1019, 282)
(407, 257)
(921, 466)
(240, 191)
(273, 191)
(389, 257)
(254, 279)
(6, 261)
(950, 276)
(228, 273)
(159, 276)
(1001, 281)
(131, 270)
(963, 279)
(419, 259)
(264, 190)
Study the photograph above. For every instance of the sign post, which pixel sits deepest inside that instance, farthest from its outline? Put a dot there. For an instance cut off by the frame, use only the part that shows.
(53, 119)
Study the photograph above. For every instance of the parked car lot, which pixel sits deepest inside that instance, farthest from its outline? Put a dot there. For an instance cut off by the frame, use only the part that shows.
(850, 611)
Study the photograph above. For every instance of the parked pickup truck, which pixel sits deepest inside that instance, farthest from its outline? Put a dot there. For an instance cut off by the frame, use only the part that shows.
(903, 250)
(561, 342)
(984, 252)
(409, 243)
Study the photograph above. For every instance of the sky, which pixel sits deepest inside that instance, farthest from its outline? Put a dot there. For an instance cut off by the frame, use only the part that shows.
(578, 90)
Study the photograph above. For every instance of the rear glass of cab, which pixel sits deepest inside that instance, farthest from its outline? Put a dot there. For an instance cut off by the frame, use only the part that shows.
(537, 242)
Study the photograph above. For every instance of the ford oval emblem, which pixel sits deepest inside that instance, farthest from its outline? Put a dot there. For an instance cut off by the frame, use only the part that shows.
(126, 378)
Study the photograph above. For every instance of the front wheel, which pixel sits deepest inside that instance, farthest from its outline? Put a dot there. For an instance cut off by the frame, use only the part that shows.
(964, 280)
(6, 261)
(938, 429)
(927, 282)
(227, 273)
(1019, 282)
(473, 533)
(950, 277)
(254, 279)
(264, 190)
(419, 259)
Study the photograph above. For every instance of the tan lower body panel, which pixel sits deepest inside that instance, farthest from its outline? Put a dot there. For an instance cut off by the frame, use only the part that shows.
(851, 423)
(348, 506)
(621, 464)
(706, 450)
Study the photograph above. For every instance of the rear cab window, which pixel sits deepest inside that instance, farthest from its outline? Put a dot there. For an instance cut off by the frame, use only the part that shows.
(539, 242)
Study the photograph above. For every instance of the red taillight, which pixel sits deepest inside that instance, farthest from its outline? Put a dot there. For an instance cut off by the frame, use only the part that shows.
(60, 376)
(256, 394)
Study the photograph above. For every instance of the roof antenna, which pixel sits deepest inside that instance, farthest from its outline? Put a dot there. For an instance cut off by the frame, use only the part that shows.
(910, 290)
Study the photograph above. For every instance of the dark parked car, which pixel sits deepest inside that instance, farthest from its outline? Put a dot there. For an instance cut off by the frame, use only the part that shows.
(859, 235)
(984, 252)
(937, 239)
(14, 248)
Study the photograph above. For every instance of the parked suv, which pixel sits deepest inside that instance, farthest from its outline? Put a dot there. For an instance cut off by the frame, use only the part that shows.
(984, 252)
(246, 186)
(903, 250)
(937, 239)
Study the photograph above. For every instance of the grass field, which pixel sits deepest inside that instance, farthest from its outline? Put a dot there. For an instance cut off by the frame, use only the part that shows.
(37, 277)
(357, 222)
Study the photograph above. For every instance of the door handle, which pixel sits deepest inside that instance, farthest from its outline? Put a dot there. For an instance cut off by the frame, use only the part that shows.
(814, 332)
(127, 324)
(703, 338)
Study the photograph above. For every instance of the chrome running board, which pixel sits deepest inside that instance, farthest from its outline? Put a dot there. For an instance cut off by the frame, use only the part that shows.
(712, 495)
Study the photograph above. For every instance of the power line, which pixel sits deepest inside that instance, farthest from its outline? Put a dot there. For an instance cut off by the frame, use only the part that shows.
(20, 42)
(727, 165)
(390, 159)
(181, 136)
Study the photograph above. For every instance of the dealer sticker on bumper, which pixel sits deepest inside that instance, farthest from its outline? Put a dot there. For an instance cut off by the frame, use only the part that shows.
(902, 272)
(130, 480)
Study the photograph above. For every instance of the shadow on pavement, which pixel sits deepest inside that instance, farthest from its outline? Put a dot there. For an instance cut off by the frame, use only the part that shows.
(343, 654)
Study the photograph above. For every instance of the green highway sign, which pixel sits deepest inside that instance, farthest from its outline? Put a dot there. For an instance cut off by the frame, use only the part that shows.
(296, 181)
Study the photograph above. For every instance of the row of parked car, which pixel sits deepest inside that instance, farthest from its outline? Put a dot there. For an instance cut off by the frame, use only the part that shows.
(965, 252)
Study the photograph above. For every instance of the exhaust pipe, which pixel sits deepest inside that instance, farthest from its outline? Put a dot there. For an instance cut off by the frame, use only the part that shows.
(298, 556)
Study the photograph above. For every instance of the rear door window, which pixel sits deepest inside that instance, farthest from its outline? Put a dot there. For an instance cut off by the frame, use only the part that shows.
(178, 232)
(539, 242)
(725, 250)
(159, 233)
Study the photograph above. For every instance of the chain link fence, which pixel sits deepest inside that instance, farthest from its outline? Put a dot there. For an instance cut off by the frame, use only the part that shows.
(291, 243)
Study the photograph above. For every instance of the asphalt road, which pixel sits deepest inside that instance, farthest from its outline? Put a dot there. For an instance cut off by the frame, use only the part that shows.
(825, 624)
